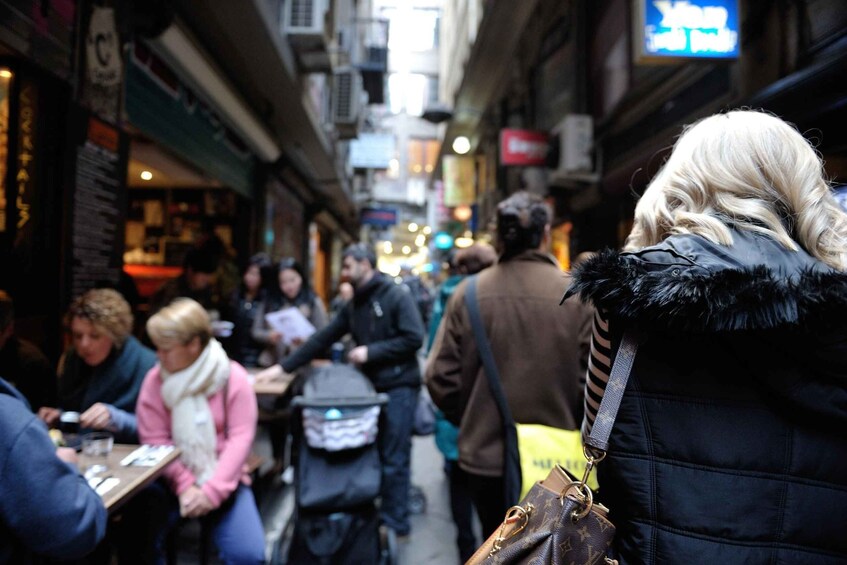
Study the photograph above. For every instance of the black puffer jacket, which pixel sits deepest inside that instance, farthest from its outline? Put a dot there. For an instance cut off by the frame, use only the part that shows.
(385, 318)
(730, 444)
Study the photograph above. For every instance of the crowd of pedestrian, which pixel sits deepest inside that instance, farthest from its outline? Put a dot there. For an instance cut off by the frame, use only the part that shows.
(727, 447)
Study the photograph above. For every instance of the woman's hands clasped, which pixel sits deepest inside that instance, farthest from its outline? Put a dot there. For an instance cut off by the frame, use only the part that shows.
(193, 503)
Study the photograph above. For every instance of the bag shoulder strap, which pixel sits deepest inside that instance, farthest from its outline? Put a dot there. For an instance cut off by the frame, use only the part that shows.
(485, 353)
(609, 406)
(615, 387)
(511, 456)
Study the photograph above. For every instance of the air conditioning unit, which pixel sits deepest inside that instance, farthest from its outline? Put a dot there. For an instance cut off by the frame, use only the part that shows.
(304, 17)
(346, 101)
(576, 147)
(304, 22)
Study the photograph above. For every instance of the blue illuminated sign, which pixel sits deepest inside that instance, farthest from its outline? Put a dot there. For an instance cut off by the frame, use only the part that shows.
(379, 217)
(707, 29)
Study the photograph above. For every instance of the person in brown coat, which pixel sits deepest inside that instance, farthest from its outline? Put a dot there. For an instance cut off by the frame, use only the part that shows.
(540, 350)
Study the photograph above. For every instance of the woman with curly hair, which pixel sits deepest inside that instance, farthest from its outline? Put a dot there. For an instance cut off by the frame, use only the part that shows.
(101, 374)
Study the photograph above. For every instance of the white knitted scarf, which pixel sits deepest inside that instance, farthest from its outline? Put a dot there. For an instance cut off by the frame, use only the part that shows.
(186, 394)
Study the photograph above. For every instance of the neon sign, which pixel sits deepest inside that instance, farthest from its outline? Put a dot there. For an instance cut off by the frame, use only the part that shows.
(671, 29)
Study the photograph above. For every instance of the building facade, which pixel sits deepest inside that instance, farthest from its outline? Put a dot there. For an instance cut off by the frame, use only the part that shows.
(129, 131)
(579, 74)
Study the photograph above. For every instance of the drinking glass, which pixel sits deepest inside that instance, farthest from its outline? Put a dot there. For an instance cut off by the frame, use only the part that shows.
(69, 426)
(96, 447)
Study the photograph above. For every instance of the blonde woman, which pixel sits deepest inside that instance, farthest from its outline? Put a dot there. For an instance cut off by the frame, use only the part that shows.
(200, 401)
(729, 446)
(101, 374)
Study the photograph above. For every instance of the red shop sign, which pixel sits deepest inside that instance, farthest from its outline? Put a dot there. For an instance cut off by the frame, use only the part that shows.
(523, 147)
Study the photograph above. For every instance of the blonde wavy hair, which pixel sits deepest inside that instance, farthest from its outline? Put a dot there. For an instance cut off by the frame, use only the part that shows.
(750, 169)
(179, 322)
(107, 310)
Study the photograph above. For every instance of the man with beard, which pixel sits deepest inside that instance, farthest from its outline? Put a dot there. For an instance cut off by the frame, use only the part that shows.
(387, 328)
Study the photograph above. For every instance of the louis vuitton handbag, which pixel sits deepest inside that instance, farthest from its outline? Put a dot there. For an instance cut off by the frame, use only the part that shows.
(557, 522)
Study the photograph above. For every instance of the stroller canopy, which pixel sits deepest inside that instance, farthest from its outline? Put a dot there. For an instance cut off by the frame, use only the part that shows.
(338, 386)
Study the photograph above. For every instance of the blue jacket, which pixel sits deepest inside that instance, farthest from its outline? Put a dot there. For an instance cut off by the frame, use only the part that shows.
(730, 443)
(46, 507)
(446, 434)
(115, 382)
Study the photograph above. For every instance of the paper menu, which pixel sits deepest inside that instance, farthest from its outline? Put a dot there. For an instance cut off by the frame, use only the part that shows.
(147, 455)
(291, 324)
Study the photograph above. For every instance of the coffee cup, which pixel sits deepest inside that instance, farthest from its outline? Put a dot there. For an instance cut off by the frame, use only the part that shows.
(69, 422)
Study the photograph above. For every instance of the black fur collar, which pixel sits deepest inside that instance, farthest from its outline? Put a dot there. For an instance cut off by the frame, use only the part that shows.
(696, 299)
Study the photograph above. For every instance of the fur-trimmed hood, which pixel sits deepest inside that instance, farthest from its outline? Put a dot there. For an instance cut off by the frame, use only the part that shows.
(688, 283)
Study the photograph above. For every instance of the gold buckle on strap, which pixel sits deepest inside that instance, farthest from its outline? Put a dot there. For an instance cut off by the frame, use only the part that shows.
(513, 514)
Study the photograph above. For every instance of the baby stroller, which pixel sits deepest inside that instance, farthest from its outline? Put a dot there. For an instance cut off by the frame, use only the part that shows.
(338, 471)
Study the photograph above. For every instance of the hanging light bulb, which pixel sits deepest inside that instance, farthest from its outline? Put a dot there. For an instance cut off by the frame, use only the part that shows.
(461, 145)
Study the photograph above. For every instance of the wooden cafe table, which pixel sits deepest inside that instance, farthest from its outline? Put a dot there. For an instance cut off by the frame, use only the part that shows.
(131, 478)
(276, 387)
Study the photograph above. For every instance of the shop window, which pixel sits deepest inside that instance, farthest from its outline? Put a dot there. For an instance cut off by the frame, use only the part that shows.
(163, 223)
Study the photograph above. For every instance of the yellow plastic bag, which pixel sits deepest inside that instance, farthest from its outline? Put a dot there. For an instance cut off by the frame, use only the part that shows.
(542, 447)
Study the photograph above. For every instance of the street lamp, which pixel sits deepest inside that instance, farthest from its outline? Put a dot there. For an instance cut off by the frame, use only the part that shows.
(462, 213)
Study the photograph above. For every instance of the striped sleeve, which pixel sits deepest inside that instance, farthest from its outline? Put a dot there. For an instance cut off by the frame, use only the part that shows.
(599, 368)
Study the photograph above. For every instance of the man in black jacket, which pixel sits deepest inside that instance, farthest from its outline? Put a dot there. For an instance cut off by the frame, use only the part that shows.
(387, 329)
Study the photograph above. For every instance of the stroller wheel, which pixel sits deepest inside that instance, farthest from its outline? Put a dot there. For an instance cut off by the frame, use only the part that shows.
(417, 500)
(387, 546)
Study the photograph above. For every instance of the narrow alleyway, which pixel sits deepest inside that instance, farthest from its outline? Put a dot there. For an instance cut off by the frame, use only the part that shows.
(433, 534)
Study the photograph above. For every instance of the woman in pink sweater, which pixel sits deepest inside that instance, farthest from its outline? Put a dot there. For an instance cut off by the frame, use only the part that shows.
(200, 401)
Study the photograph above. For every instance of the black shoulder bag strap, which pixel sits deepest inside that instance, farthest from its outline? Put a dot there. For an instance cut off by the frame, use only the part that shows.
(606, 414)
(511, 455)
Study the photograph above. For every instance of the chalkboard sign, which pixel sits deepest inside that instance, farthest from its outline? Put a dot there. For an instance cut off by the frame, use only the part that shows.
(99, 205)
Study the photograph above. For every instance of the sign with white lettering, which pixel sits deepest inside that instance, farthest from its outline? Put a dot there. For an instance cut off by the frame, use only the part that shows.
(669, 30)
(99, 203)
(372, 151)
(523, 147)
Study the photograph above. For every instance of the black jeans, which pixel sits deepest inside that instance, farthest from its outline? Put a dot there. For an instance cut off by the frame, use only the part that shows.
(489, 499)
(461, 508)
